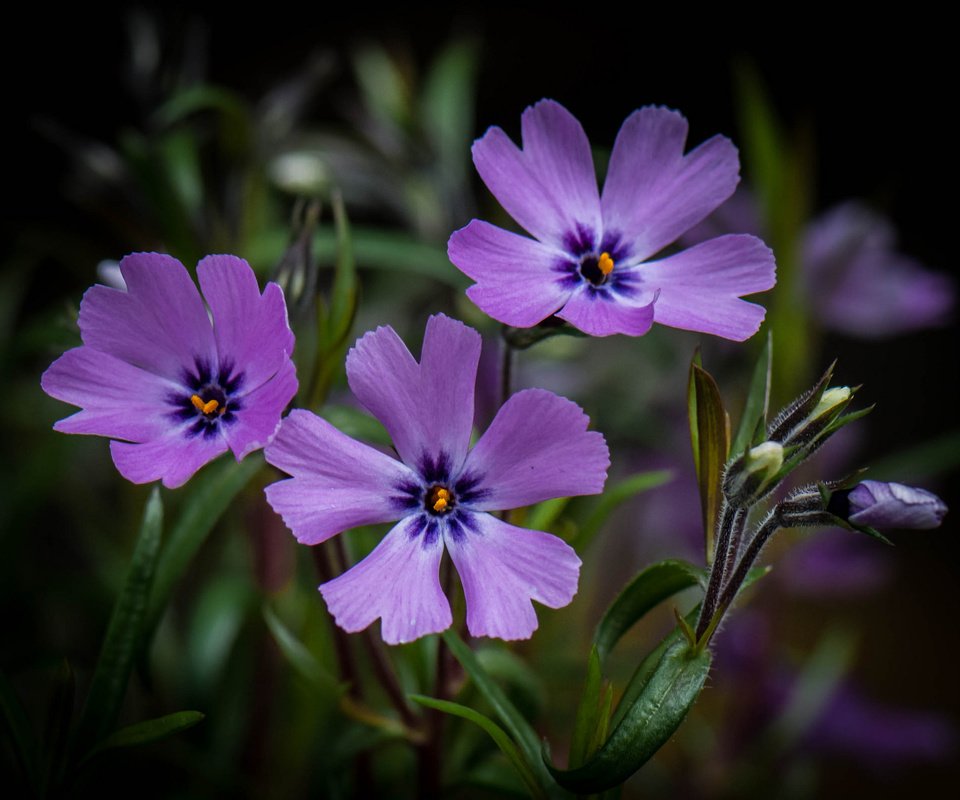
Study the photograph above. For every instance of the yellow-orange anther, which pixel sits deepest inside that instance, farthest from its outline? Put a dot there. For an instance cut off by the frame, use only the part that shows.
(441, 500)
(204, 407)
(605, 264)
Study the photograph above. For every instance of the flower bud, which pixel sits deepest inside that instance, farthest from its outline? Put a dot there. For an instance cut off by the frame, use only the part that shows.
(749, 477)
(878, 504)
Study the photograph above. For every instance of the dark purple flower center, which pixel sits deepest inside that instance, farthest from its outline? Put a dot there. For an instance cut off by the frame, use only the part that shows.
(596, 269)
(208, 400)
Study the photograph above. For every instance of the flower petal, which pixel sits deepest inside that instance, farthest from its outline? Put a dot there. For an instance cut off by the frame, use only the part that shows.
(251, 329)
(603, 314)
(550, 186)
(174, 458)
(427, 407)
(892, 505)
(700, 287)
(338, 483)
(259, 418)
(158, 324)
(516, 281)
(116, 398)
(537, 447)
(398, 582)
(503, 567)
(653, 193)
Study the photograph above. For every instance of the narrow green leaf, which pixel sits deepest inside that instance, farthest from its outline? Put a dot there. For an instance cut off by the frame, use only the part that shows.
(24, 741)
(518, 727)
(649, 588)
(124, 633)
(657, 713)
(615, 496)
(211, 493)
(923, 461)
(300, 658)
(385, 92)
(448, 105)
(602, 729)
(696, 361)
(150, 730)
(587, 713)
(543, 515)
(343, 294)
(757, 407)
(499, 736)
(713, 445)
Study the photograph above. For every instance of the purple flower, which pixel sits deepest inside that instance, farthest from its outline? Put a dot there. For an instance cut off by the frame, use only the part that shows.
(155, 374)
(893, 505)
(592, 261)
(536, 448)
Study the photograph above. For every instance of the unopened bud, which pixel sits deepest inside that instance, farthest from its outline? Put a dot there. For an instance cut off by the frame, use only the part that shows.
(750, 476)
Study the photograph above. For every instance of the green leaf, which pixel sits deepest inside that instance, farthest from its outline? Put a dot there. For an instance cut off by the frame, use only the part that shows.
(648, 589)
(448, 105)
(518, 727)
(24, 741)
(150, 730)
(499, 736)
(588, 712)
(923, 461)
(124, 633)
(343, 293)
(542, 516)
(757, 407)
(712, 440)
(651, 720)
(212, 492)
(300, 658)
(615, 496)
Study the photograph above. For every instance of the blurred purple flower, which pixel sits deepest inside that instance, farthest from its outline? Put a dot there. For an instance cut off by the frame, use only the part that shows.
(536, 448)
(155, 374)
(856, 282)
(831, 564)
(891, 505)
(590, 261)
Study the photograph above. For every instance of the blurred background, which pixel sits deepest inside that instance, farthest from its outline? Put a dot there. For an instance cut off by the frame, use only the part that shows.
(201, 131)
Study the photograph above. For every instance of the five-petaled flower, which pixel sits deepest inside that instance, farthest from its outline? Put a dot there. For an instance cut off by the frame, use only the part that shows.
(154, 374)
(592, 261)
(440, 490)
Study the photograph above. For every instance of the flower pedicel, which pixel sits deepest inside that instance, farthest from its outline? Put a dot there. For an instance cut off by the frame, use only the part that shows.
(154, 374)
(538, 447)
(593, 261)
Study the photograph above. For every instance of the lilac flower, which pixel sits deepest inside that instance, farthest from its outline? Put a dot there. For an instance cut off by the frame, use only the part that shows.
(592, 261)
(892, 505)
(536, 448)
(153, 372)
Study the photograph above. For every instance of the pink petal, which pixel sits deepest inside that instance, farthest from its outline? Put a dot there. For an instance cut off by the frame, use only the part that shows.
(174, 458)
(427, 407)
(550, 186)
(537, 447)
(338, 483)
(117, 399)
(602, 314)
(159, 324)
(700, 287)
(653, 193)
(503, 567)
(516, 284)
(399, 582)
(259, 418)
(251, 329)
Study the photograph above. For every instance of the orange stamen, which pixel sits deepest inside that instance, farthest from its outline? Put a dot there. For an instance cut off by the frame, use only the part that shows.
(441, 500)
(207, 407)
(605, 264)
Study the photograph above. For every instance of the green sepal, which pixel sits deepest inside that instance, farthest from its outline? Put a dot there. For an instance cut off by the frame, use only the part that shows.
(124, 633)
(667, 696)
(150, 730)
(517, 726)
(710, 433)
(612, 498)
(757, 405)
(649, 588)
(499, 736)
